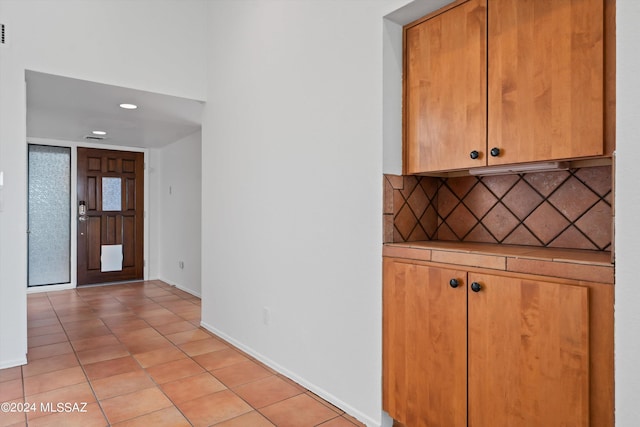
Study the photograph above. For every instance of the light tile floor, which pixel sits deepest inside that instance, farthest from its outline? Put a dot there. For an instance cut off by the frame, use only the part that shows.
(135, 354)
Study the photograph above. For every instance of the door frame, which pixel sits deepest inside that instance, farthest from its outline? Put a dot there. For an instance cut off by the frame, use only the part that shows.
(74, 202)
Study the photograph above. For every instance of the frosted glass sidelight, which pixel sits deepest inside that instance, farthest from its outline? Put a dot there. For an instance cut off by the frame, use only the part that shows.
(49, 236)
(111, 194)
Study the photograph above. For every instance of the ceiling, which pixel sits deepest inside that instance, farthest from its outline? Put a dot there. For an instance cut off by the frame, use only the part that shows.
(70, 109)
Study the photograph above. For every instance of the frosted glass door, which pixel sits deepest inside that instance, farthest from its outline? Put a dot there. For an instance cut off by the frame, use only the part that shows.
(49, 215)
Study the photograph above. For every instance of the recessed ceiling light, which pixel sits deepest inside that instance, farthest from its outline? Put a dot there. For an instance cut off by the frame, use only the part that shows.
(98, 132)
(128, 106)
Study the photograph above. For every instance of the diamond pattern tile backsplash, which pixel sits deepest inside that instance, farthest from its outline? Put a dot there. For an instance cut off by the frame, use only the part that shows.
(564, 209)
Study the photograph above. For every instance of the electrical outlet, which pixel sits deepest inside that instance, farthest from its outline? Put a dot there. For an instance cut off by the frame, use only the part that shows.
(266, 315)
(181, 265)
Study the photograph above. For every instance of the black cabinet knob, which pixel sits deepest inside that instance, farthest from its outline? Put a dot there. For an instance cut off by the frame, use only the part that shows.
(475, 287)
(474, 154)
(495, 152)
(453, 283)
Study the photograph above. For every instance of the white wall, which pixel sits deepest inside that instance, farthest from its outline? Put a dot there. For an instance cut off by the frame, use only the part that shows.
(158, 46)
(627, 306)
(292, 155)
(392, 94)
(179, 213)
(153, 213)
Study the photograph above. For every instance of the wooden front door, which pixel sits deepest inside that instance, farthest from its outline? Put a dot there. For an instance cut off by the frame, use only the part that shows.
(110, 215)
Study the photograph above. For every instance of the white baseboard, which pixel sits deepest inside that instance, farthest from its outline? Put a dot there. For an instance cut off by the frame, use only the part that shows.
(4, 364)
(182, 288)
(50, 288)
(370, 422)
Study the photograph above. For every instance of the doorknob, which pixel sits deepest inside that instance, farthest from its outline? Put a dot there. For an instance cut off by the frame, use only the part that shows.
(82, 211)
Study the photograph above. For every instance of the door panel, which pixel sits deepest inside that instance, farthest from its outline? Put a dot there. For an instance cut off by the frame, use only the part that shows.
(528, 353)
(445, 90)
(130, 192)
(424, 347)
(128, 233)
(111, 183)
(546, 80)
(92, 247)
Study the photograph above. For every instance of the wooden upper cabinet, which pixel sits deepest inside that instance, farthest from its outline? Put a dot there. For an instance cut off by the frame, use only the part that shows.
(526, 78)
(445, 89)
(545, 79)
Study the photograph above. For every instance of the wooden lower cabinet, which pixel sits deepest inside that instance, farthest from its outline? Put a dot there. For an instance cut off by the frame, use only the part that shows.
(425, 345)
(528, 353)
(496, 350)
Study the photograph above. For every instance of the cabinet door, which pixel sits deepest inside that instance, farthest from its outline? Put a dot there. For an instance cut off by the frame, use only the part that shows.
(445, 90)
(545, 78)
(528, 353)
(424, 345)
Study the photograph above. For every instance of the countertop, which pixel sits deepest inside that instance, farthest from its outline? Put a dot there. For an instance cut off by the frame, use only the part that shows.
(575, 264)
